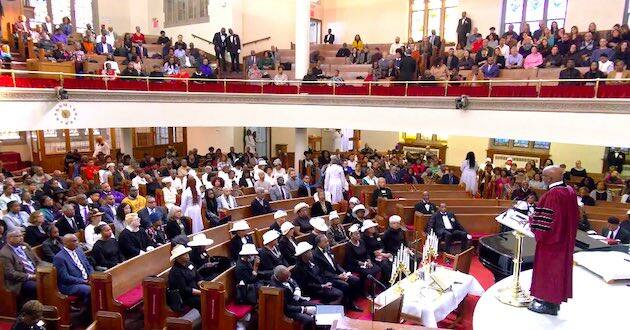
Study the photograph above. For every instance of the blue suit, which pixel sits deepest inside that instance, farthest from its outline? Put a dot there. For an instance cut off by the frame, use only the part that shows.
(69, 278)
(99, 48)
(109, 216)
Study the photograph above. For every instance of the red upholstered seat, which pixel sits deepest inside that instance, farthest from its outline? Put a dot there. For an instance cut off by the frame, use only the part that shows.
(410, 227)
(567, 91)
(36, 82)
(351, 90)
(425, 91)
(394, 90)
(127, 85)
(474, 91)
(614, 91)
(210, 87)
(273, 89)
(84, 84)
(316, 89)
(239, 310)
(72, 299)
(513, 91)
(6, 325)
(131, 297)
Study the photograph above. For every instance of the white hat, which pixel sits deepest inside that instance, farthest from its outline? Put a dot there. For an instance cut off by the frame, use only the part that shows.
(239, 225)
(178, 251)
(270, 236)
(286, 226)
(333, 215)
(628, 212)
(354, 200)
(358, 208)
(262, 162)
(580, 204)
(488, 160)
(167, 180)
(509, 159)
(302, 247)
(248, 249)
(200, 240)
(354, 228)
(319, 224)
(192, 172)
(367, 224)
(395, 218)
(521, 205)
(299, 206)
(277, 161)
(110, 165)
(279, 214)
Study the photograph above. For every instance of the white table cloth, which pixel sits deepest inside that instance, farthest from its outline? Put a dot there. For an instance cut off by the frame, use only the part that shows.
(592, 303)
(426, 303)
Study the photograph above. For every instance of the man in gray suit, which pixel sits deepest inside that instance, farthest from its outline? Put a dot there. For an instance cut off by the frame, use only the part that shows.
(20, 265)
(251, 59)
(279, 191)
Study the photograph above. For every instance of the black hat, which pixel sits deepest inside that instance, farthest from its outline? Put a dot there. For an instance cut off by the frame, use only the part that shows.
(492, 28)
(613, 220)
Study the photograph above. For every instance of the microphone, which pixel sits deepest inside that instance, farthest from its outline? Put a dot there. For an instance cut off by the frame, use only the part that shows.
(376, 281)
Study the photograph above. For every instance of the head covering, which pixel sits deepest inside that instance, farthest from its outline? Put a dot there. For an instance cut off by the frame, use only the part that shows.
(354, 201)
(270, 236)
(319, 224)
(155, 217)
(299, 206)
(286, 227)
(394, 218)
(248, 250)
(262, 162)
(178, 251)
(279, 214)
(167, 179)
(277, 161)
(367, 224)
(333, 215)
(354, 228)
(200, 240)
(239, 225)
(95, 213)
(358, 208)
(302, 247)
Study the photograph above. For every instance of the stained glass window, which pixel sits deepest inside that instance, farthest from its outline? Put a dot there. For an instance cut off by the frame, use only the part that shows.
(519, 12)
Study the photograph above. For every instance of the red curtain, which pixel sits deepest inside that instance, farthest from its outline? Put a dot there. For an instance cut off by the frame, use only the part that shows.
(316, 89)
(567, 91)
(273, 89)
(84, 84)
(351, 90)
(513, 91)
(36, 82)
(243, 88)
(167, 86)
(425, 91)
(127, 85)
(210, 87)
(614, 91)
(474, 91)
(394, 90)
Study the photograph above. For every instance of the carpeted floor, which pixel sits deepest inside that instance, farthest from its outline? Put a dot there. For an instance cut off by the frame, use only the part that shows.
(483, 275)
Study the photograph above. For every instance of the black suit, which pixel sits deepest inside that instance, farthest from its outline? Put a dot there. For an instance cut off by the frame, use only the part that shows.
(425, 207)
(234, 48)
(68, 226)
(79, 216)
(330, 272)
(269, 261)
(617, 160)
(317, 210)
(219, 47)
(464, 25)
(380, 192)
(408, 69)
(145, 221)
(260, 209)
(304, 191)
(244, 272)
(236, 244)
(454, 62)
(310, 279)
(448, 235)
(437, 42)
(622, 235)
(329, 39)
(287, 249)
(449, 179)
(293, 308)
(174, 229)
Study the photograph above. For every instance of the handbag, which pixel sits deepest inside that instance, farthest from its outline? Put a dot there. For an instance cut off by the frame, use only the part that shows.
(174, 300)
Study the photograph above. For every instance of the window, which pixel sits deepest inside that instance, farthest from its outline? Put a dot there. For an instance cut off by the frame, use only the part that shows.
(438, 15)
(80, 12)
(520, 12)
(520, 144)
(161, 135)
(626, 13)
(185, 12)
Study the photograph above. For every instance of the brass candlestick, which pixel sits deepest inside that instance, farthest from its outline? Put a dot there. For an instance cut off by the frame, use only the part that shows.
(514, 295)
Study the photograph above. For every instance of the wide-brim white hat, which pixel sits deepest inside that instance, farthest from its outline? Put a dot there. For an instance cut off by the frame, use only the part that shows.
(319, 224)
(279, 214)
(248, 250)
(354, 200)
(200, 240)
(354, 228)
(333, 215)
(262, 162)
(395, 218)
(277, 161)
(286, 227)
(167, 179)
(359, 208)
(299, 206)
(368, 224)
(270, 236)
(302, 247)
(240, 225)
(178, 250)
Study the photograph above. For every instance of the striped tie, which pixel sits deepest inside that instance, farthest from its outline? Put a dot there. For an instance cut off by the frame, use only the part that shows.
(28, 264)
(76, 260)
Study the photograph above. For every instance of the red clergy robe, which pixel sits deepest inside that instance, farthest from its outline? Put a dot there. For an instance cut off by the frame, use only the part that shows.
(554, 224)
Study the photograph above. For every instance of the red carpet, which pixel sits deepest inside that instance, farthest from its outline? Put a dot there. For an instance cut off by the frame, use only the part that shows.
(483, 275)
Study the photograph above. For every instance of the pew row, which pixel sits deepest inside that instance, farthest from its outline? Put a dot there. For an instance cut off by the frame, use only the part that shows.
(107, 321)
(245, 211)
(477, 225)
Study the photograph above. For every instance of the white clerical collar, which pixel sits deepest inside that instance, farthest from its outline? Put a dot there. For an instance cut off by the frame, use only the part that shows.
(556, 184)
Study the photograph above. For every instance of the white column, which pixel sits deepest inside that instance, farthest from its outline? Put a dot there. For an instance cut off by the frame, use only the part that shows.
(302, 46)
(301, 145)
(126, 141)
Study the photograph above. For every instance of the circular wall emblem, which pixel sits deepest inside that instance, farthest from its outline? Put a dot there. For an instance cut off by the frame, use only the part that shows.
(65, 113)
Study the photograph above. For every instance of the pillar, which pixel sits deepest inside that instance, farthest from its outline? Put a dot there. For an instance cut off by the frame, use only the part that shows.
(126, 141)
(301, 145)
(302, 46)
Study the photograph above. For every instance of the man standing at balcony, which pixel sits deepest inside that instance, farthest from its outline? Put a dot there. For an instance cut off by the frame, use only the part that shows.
(220, 43)
(464, 25)
(234, 48)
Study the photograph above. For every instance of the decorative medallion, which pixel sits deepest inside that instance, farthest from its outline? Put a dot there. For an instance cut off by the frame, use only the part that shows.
(65, 113)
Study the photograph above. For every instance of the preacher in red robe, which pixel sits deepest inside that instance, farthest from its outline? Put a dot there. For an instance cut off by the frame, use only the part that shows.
(554, 224)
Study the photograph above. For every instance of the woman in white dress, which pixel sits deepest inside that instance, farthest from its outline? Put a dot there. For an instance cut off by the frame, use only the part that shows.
(469, 173)
(191, 205)
(335, 180)
(250, 142)
(169, 192)
(338, 141)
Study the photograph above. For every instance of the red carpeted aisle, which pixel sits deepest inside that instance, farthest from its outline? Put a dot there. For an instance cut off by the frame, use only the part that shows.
(483, 275)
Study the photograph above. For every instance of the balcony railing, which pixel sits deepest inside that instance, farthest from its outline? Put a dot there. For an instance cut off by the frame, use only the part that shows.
(538, 88)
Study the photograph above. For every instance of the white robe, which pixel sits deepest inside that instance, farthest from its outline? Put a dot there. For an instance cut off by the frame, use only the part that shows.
(338, 141)
(335, 182)
(192, 210)
(251, 143)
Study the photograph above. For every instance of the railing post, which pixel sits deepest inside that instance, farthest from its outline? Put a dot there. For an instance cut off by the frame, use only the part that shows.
(61, 79)
(334, 88)
(187, 81)
(224, 86)
(446, 88)
(262, 87)
(369, 88)
(13, 78)
(539, 86)
(489, 87)
(596, 88)
(406, 88)
(148, 84)
(299, 86)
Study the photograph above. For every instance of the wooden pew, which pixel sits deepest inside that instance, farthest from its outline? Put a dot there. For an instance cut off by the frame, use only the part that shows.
(477, 225)
(248, 199)
(107, 321)
(8, 299)
(48, 294)
(174, 323)
(245, 211)
(407, 212)
(358, 190)
(436, 194)
(271, 310)
(624, 206)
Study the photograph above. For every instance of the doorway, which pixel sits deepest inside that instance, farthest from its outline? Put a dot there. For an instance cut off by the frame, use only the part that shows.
(260, 143)
(315, 31)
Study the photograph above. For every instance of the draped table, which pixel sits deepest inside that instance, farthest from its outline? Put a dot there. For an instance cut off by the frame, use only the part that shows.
(428, 305)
